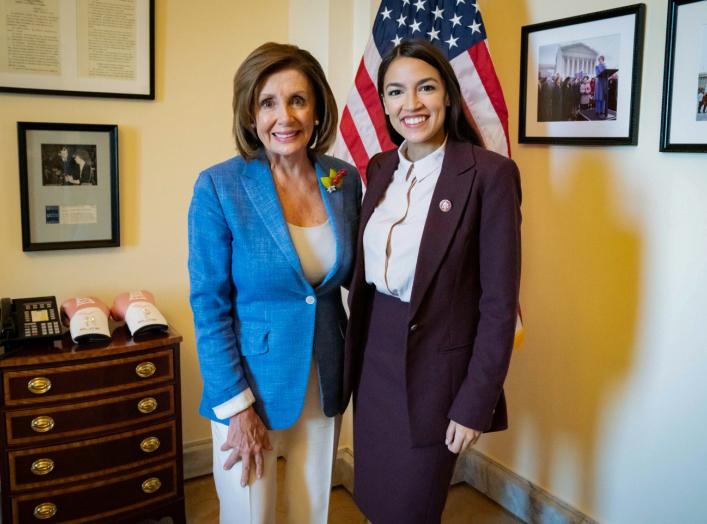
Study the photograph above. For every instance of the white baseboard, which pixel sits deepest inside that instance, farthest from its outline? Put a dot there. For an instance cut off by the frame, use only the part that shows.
(518, 496)
(198, 459)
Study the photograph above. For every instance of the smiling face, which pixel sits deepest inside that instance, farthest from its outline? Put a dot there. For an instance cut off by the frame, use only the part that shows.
(285, 113)
(415, 100)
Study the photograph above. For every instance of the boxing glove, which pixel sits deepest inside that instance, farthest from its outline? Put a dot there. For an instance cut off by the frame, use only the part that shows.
(87, 319)
(138, 310)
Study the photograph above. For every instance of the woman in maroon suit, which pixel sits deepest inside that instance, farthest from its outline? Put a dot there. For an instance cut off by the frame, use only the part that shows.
(434, 293)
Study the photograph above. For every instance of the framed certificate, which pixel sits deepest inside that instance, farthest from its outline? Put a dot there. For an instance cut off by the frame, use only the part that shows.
(68, 185)
(78, 47)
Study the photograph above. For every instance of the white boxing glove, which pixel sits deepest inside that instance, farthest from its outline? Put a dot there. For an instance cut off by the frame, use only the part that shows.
(138, 310)
(87, 319)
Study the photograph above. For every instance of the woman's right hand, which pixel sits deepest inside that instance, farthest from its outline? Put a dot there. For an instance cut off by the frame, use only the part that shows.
(248, 438)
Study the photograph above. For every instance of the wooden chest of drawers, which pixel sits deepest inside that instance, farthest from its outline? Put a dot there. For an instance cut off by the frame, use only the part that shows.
(92, 434)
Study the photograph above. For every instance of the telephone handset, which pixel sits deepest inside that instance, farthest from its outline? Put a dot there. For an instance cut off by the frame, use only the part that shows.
(28, 319)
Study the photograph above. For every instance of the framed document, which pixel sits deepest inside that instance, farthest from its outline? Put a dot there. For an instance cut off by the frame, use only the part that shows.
(68, 185)
(684, 119)
(78, 47)
(580, 79)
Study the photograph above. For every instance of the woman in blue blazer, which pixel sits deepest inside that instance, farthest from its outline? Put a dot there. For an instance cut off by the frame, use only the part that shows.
(271, 236)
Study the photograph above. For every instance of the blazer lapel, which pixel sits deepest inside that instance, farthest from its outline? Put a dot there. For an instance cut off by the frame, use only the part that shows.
(334, 205)
(260, 188)
(454, 183)
(384, 166)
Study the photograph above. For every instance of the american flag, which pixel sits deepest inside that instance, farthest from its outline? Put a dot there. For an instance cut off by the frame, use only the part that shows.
(455, 27)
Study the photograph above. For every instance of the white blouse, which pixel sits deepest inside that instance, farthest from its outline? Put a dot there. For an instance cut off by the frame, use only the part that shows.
(316, 249)
(391, 240)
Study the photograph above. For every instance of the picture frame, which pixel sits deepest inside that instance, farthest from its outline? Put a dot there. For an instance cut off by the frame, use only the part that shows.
(683, 122)
(68, 185)
(78, 48)
(572, 87)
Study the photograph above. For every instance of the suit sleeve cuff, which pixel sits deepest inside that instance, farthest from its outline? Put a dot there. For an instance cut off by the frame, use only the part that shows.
(243, 400)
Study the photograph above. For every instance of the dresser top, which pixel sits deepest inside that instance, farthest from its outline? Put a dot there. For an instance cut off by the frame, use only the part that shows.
(66, 350)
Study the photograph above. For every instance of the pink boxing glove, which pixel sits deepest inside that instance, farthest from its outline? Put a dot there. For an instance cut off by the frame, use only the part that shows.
(87, 318)
(138, 310)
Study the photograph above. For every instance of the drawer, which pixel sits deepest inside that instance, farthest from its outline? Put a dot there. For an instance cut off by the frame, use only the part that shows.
(86, 459)
(101, 501)
(94, 378)
(44, 424)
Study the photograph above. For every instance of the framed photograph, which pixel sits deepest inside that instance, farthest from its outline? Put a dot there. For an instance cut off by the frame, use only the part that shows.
(68, 185)
(78, 47)
(684, 120)
(580, 79)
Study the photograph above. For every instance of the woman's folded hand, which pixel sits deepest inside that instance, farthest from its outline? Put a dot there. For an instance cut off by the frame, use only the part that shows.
(247, 438)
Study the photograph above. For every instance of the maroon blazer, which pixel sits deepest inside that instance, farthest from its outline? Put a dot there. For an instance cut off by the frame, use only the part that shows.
(464, 299)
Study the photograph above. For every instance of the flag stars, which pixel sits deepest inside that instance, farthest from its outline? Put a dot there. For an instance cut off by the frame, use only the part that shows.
(438, 12)
(475, 6)
(458, 1)
(456, 20)
(401, 20)
(386, 13)
(406, 2)
(452, 42)
(396, 41)
(475, 27)
(433, 35)
(420, 4)
(415, 26)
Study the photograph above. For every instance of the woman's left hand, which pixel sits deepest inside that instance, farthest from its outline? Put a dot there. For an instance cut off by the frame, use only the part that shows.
(460, 437)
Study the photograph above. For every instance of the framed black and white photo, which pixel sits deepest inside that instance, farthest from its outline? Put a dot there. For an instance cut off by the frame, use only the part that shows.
(68, 185)
(78, 47)
(684, 119)
(581, 78)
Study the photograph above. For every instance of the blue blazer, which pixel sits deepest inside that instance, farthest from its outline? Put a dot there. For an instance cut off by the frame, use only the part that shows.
(258, 320)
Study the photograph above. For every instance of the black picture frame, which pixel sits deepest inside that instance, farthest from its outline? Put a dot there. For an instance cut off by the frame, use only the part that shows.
(678, 80)
(71, 82)
(585, 125)
(69, 190)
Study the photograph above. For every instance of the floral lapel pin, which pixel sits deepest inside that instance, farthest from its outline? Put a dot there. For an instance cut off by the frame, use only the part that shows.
(334, 181)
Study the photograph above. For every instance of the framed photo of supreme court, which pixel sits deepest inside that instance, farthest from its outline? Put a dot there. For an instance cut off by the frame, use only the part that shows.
(102, 48)
(581, 77)
(68, 185)
(684, 117)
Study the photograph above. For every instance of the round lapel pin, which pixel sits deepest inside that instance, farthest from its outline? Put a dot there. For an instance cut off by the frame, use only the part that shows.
(445, 205)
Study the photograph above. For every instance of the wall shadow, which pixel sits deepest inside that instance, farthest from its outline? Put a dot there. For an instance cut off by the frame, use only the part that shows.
(580, 299)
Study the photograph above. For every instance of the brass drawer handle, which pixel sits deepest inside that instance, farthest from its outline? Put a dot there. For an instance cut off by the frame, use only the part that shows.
(39, 385)
(42, 424)
(151, 485)
(45, 510)
(150, 444)
(42, 466)
(145, 369)
(147, 405)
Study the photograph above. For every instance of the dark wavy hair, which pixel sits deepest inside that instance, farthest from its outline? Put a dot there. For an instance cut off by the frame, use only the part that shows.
(455, 122)
(271, 58)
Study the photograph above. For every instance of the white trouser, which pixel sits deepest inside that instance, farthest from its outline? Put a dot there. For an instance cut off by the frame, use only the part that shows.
(309, 448)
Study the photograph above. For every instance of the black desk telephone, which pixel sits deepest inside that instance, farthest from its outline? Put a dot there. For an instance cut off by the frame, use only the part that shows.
(28, 319)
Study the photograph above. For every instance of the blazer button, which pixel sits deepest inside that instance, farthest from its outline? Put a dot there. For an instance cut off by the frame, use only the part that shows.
(413, 328)
(309, 300)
